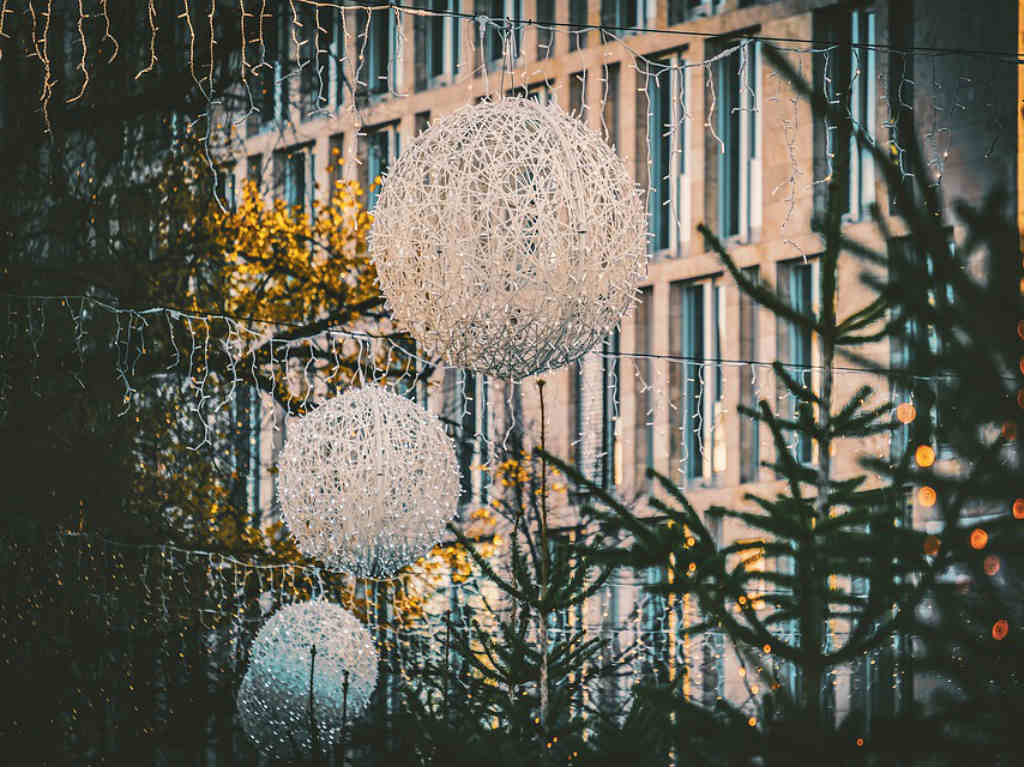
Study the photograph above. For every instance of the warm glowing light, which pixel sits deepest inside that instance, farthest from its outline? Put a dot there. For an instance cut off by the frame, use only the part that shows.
(905, 412)
(1020, 398)
(1009, 430)
(991, 564)
(767, 648)
(1020, 329)
(1000, 629)
(860, 742)
(1018, 508)
(924, 455)
(979, 539)
(752, 721)
(926, 496)
(931, 545)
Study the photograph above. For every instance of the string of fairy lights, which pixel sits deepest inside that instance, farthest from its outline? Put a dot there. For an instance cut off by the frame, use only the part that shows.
(216, 355)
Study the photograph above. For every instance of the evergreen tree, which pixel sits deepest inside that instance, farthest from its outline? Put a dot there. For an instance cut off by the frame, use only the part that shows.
(911, 602)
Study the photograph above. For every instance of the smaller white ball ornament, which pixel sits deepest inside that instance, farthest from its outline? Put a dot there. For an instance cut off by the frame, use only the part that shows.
(509, 238)
(274, 697)
(368, 482)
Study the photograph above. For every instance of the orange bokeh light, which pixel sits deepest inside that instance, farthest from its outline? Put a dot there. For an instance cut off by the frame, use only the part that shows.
(905, 412)
(924, 455)
(926, 496)
(752, 721)
(767, 648)
(1000, 629)
(1018, 508)
(860, 742)
(1020, 329)
(931, 545)
(991, 564)
(979, 539)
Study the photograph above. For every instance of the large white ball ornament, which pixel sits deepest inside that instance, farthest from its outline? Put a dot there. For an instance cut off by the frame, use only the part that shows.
(367, 482)
(274, 697)
(509, 238)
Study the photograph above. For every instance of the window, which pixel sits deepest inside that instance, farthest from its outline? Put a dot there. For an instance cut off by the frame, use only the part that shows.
(226, 186)
(378, 70)
(902, 131)
(575, 413)
(847, 75)
(643, 426)
(293, 170)
(916, 351)
(377, 149)
(467, 417)
(623, 16)
(336, 168)
(668, 187)
(248, 426)
(271, 68)
(577, 20)
(545, 30)
(610, 98)
(254, 169)
(796, 285)
(654, 630)
(497, 35)
(697, 313)
(685, 10)
(749, 456)
(320, 50)
(578, 94)
(735, 149)
(611, 456)
(436, 40)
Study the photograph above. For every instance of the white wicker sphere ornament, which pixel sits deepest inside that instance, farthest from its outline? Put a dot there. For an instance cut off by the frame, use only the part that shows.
(273, 699)
(509, 238)
(367, 482)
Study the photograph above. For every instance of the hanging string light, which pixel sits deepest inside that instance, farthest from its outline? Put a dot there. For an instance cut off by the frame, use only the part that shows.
(368, 482)
(510, 238)
(311, 667)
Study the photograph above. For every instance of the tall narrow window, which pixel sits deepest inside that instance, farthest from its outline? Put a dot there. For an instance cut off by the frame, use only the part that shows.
(499, 40)
(577, 22)
(735, 150)
(226, 186)
(336, 167)
(916, 351)
(578, 94)
(668, 190)
(316, 49)
(247, 450)
(293, 169)
(575, 414)
(688, 330)
(378, 148)
(749, 428)
(643, 427)
(697, 446)
(654, 635)
(270, 84)
(436, 39)
(545, 28)
(796, 286)
(254, 169)
(610, 98)
(847, 75)
(378, 44)
(610, 404)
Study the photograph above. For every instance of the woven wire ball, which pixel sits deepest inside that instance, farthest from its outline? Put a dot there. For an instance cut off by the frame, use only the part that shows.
(367, 482)
(509, 238)
(274, 697)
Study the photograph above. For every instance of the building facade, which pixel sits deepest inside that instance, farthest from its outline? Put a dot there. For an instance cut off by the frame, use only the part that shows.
(713, 135)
